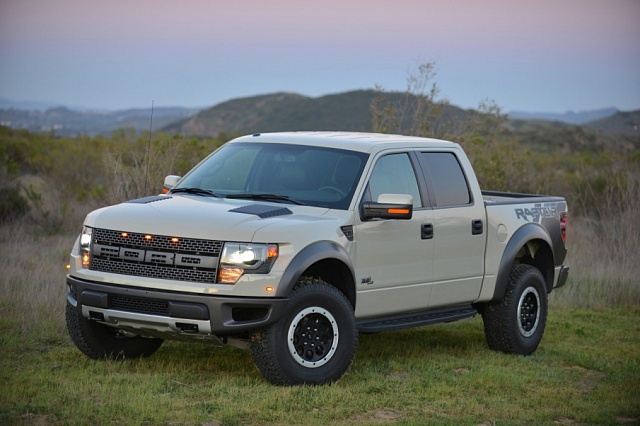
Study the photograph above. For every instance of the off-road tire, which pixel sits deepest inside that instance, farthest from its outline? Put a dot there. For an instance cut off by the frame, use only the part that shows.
(313, 343)
(516, 323)
(99, 341)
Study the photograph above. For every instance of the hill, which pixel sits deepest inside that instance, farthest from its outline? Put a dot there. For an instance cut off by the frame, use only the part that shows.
(623, 123)
(349, 111)
(281, 111)
(548, 136)
(352, 111)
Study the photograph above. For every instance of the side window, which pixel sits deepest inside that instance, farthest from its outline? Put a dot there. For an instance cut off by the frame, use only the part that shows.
(393, 174)
(449, 184)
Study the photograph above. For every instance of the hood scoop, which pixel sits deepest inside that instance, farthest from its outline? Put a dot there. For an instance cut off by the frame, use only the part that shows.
(147, 200)
(262, 211)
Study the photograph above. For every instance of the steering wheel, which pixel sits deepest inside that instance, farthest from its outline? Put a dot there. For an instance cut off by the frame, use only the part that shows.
(334, 189)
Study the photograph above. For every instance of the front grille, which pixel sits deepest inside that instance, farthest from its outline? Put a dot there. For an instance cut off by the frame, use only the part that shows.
(153, 271)
(155, 256)
(160, 242)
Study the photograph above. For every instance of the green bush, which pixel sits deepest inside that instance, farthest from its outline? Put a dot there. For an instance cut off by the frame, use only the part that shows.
(12, 204)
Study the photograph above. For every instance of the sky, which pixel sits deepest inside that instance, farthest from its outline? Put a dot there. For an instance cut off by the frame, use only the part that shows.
(535, 56)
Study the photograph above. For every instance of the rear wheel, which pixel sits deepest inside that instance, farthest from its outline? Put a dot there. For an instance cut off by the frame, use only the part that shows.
(99, 341)
(516, 323)
(313, 343)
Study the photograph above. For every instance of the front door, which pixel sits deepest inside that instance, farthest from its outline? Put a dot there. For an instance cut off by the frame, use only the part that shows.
(394, 257)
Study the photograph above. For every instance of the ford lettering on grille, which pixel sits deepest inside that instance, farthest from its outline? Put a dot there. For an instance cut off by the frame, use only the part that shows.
(155, 256)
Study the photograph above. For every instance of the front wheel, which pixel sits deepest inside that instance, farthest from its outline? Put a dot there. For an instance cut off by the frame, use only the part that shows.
(99, 341)
(313, 343)
(516, 323)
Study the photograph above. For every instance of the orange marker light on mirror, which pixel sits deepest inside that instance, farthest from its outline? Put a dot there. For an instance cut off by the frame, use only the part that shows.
(398, 211)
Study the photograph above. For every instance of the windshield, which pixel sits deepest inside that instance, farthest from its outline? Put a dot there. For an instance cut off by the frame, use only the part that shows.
(315, 176)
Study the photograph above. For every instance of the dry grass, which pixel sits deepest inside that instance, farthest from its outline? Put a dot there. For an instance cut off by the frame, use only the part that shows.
(605, 263)
(33, 280)
(604, 254)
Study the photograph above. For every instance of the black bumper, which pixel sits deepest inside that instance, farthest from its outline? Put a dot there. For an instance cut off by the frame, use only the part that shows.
(223, 315)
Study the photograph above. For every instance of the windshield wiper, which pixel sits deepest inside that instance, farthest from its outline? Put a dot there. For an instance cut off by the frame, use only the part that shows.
(266, 197)
(195, 191)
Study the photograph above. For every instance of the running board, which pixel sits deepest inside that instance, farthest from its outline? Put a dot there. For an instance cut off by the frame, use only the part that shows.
(415, 319)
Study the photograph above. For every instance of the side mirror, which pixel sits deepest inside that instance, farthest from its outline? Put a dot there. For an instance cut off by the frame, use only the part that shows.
(388, 206)
(169, 182)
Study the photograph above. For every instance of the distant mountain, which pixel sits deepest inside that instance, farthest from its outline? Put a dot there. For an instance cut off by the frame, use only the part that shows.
(66, 122)
(569, 117)
(548, 136)
(624, 123)
(26, 105)
(349, 111)
(281, 111)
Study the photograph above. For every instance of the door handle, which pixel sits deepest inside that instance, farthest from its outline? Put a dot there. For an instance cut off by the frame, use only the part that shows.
(426, 231)
(477, 227)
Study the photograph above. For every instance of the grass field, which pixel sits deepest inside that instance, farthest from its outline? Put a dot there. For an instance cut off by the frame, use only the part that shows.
(586, 371)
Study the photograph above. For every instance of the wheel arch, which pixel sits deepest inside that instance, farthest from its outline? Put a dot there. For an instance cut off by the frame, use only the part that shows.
(325, 260)
(530, 245)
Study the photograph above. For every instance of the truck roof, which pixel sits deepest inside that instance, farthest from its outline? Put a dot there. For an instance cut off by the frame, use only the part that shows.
(354, 141)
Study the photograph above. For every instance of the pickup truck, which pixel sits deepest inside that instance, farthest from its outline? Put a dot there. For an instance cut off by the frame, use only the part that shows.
(291, 244)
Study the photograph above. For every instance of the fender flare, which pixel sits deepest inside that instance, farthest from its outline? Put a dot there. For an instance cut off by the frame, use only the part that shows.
(526, 233)
(321, 250)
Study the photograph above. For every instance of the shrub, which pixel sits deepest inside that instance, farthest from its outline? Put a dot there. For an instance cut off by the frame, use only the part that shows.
(12, 204)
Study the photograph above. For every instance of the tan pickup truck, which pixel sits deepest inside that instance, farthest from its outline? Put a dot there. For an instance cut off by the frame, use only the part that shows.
(290, 244)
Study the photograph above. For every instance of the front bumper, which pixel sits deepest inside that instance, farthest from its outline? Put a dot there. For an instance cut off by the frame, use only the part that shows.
(170, 315)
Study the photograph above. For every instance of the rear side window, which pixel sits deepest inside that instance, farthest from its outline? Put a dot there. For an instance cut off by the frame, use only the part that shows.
(448, 183)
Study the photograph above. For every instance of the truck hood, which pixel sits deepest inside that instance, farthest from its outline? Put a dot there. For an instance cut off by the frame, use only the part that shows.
(200, 217)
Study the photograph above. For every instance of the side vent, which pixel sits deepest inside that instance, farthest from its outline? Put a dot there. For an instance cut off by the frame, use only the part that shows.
(347, 230)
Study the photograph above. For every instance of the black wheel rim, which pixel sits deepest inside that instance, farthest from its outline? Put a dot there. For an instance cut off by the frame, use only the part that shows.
(529, 311)
(313, 337)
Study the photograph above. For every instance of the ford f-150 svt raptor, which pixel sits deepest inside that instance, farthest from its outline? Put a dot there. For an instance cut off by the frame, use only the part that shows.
(290, 244)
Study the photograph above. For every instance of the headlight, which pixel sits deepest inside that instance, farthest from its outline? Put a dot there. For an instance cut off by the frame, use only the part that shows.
(240, 258)
(85, 246)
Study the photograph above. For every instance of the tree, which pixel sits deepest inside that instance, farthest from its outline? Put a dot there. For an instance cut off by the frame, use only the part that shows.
(421, 111)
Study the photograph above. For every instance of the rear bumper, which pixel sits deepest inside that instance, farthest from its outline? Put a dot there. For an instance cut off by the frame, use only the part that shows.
(178, 316)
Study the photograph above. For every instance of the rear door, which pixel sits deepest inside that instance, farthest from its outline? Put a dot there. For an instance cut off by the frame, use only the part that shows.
(459, 230)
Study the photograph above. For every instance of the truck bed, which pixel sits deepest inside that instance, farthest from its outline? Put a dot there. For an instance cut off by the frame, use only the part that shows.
(500, 198)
